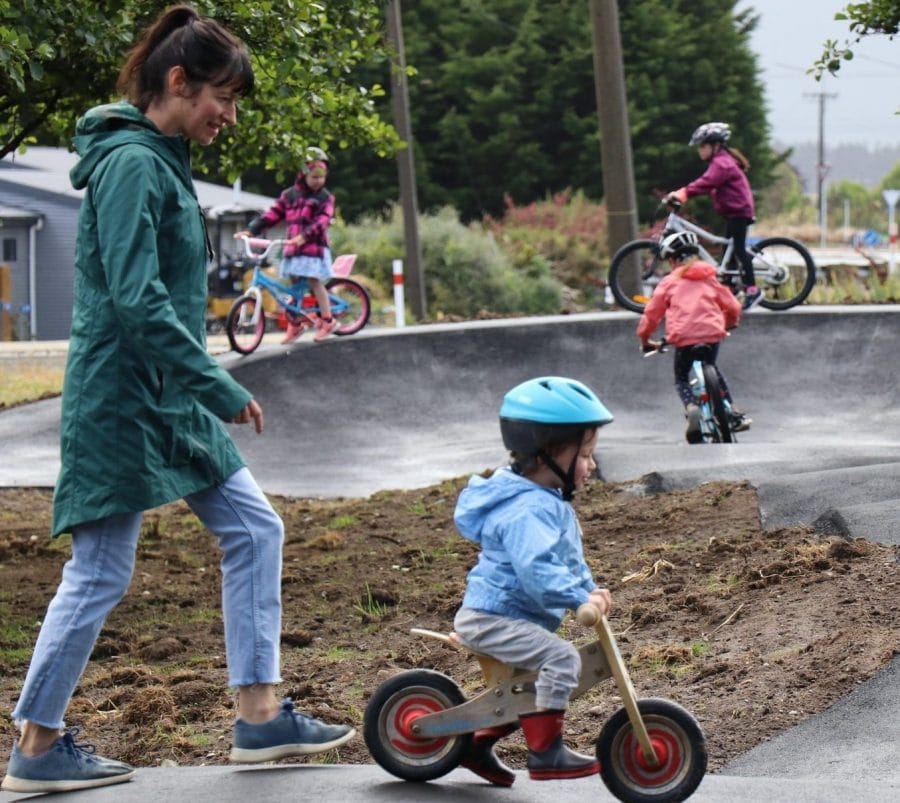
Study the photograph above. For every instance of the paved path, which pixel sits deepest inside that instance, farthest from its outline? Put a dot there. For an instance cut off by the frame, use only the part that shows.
(402, 409)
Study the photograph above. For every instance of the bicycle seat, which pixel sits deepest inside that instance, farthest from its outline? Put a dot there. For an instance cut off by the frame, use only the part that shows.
(343, 264)
(494, 671)
(701, 351)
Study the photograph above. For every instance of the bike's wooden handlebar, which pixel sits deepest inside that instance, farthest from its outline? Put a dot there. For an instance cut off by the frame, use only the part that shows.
(588, 614)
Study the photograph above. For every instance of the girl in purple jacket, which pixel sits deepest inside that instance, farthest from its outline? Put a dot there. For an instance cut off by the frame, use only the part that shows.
(725, 181)
(307, 208)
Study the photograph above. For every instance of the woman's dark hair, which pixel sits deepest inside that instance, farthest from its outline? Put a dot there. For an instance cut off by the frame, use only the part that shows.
(180, 37)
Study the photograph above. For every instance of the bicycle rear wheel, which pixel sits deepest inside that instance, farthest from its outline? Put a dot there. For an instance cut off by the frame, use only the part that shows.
(350, 305)
(651, 267)
(246, 324)
(721, 423)
(784, 270)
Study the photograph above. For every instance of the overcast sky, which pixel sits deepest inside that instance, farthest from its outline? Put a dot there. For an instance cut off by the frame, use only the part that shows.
(788, 40)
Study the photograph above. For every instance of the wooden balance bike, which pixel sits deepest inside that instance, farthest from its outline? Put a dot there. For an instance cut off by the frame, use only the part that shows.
(418, 725)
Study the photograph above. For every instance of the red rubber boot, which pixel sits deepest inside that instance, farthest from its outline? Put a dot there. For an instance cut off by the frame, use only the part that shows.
(482, 760)
(548, 758)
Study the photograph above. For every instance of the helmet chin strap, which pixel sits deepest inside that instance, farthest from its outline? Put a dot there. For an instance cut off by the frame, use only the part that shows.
(567, 478)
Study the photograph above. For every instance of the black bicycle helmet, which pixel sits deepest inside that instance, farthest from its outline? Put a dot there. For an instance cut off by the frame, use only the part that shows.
(711, 132)
(548, 411)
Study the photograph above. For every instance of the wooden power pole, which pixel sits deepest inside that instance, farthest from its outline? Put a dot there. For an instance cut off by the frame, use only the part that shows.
(415, 278)
(615, 138)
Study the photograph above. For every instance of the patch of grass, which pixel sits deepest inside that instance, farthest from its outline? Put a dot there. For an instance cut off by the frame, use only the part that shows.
(418, 508)
(342, 522)
(17, 635)
(722, 584)
(699, 649)
(28, 380)
(369, 606)
(338, 653)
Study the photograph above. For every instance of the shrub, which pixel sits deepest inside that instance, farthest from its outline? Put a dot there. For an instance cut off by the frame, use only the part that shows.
(467, 275)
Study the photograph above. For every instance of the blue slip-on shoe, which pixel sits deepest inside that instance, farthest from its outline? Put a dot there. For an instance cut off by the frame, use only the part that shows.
(289, 734)
(67, 766)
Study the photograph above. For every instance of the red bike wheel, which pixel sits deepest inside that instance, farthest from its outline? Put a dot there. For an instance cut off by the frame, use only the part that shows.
(389, 723)
(680, 748)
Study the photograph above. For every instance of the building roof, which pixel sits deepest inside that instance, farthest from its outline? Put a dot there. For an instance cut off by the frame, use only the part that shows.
(47, 169)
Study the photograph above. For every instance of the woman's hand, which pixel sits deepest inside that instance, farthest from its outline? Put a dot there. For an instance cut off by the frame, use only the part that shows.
(297, 241)
(239, 234)
(252, 412)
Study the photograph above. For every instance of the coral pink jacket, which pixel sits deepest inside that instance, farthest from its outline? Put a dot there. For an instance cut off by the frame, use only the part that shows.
(696, 306)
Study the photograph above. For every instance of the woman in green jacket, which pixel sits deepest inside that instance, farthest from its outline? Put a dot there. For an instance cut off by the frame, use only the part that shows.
(144, 407)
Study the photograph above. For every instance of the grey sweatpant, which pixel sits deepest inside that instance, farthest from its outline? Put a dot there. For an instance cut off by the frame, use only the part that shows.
(524, 645)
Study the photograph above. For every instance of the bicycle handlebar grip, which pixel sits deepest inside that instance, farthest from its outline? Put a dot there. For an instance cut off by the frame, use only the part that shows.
(258, 242)
(587, 614)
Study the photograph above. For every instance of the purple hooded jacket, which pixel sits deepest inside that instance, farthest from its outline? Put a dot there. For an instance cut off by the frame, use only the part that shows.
(727, 184)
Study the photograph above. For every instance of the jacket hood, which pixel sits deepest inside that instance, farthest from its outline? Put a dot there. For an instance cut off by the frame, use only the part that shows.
(105, 128)
(698, 271)
(482, 495)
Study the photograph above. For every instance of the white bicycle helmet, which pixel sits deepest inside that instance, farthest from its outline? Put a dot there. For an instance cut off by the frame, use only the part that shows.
(711, 132)
(679, 244)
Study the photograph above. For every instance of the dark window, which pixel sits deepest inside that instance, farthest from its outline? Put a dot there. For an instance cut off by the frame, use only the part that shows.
(9, 249)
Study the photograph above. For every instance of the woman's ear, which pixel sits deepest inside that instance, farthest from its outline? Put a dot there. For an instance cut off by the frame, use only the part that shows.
(177, 83)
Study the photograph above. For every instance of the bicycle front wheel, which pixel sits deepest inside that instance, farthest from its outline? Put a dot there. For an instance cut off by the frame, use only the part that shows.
(245, 324)
(651, 269)
(784, 271)
(350, 305)
(721, 423)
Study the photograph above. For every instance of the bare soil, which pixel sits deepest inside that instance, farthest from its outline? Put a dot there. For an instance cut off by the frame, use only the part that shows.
(751, 630)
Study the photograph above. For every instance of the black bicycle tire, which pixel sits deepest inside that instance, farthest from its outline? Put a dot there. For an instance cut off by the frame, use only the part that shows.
(808, 282)
(615, 268)
(231, 324)
(397, 752)
(683, 767)
(716, 400)
(353, 326)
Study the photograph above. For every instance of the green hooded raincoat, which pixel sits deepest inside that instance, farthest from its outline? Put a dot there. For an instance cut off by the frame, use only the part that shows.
(143, 402)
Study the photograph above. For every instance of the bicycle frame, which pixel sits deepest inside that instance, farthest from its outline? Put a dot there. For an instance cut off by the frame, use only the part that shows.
(675, 222)
(289, 297)
(708, 426)
(712, 427)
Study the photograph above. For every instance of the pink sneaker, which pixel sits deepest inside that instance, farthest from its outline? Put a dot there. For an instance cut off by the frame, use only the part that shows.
(325, 328)
(294, 330)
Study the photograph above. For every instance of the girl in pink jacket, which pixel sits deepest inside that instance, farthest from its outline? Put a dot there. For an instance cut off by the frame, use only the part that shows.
(697, 309)
(725, 181)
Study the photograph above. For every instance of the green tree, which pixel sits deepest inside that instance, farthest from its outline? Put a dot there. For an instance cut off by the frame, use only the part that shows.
(892, 180)
(503, 101)
(865, 207)
(59, 58)
(865, 19)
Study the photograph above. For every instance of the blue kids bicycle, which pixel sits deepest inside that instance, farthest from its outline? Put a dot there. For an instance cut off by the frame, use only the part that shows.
(251, 315)
(717, 419)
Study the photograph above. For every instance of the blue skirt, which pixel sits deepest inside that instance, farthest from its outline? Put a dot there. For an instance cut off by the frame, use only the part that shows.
(309, 267)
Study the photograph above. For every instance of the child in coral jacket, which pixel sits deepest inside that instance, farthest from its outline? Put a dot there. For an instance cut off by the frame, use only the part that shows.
(697, 309)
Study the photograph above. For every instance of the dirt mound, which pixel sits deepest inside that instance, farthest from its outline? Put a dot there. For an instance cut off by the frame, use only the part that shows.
(751, 630)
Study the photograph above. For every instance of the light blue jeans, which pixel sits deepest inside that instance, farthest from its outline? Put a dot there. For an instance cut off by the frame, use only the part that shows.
(96, 577)
(524, 645)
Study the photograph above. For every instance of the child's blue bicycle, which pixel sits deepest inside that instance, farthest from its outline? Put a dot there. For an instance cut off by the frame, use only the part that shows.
(716, 415)
(248, 317)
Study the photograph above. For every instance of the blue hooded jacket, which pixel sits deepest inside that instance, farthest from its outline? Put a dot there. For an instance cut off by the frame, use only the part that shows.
(531, 564)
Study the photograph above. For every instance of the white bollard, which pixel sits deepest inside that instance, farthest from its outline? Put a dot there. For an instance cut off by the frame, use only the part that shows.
(399, 302)
(890, 198)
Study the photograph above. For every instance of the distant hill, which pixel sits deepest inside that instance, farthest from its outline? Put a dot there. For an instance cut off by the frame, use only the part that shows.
(867, 166)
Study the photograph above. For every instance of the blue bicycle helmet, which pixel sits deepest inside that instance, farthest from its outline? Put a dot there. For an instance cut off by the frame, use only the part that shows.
(547, 411)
